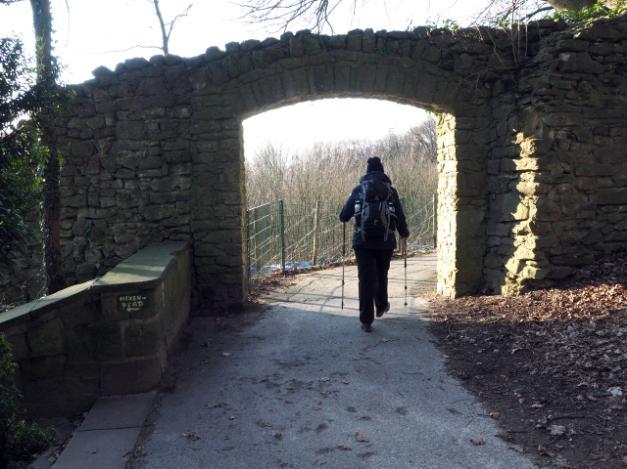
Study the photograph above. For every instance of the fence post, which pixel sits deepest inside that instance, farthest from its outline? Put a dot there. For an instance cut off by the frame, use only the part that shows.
(281, 234)
(314, 251)
(255, 258)
(435, 221)
(249, 279)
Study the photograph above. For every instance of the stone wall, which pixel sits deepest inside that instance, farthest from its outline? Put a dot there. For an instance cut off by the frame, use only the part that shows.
(105, 336)
(558, 178)
(153, 150)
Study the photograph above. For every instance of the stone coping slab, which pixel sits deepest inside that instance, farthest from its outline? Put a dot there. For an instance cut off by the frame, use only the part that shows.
(42, 304)
(141, 269)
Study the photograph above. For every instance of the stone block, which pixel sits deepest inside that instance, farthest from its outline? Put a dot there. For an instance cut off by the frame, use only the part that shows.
(613, 196)
(132, 130)
(46, 338)
(82, 149)
(471, 184)
(559, 272)
(143, 338)
(354, 40)
(68, 394)
(79, 345)
(110, 309)
(617, 236)
(509, 207)
(34, 369)
(131, 376)
(575, 259)
(520, 165)
(107, 340)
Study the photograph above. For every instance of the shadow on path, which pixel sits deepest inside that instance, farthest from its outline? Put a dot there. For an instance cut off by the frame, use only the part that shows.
(299, 385)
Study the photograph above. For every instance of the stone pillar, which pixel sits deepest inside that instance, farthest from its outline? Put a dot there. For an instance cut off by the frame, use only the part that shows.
(461, 204)
(217, 204)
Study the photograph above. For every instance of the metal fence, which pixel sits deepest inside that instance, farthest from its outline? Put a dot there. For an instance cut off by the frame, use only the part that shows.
(288, 238)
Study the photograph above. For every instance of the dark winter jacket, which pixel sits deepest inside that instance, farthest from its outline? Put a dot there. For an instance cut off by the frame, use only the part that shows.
(348, 211)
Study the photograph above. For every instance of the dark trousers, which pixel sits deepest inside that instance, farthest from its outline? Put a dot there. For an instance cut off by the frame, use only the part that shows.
(372, 266)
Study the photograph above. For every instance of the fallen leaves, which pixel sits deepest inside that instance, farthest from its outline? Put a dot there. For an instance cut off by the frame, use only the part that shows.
(477, 441)
(557, 430)
(546, 355)
(615, 391)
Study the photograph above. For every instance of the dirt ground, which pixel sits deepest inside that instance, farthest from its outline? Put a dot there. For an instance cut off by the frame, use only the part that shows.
(550, 365)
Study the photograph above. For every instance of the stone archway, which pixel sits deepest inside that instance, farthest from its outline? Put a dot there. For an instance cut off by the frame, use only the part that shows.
(397, 67)
(153, 150)
(172, 127)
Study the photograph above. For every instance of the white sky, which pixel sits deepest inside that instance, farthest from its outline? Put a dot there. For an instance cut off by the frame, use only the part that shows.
(91, 33)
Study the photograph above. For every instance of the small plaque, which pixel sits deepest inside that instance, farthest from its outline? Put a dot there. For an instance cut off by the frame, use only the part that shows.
(132, 303)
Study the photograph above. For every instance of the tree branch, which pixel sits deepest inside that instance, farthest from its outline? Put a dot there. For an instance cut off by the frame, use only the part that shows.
(178, 17)
(141, 46)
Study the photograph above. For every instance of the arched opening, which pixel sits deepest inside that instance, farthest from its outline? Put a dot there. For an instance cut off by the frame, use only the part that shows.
(303, 160)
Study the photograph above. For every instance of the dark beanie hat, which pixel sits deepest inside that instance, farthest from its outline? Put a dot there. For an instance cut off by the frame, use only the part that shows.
(374, 164)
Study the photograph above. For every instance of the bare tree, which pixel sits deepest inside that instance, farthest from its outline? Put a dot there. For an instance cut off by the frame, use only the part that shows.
(329, 171)
(167, 27)
(426, 137)
(285, 12)
(318, 13)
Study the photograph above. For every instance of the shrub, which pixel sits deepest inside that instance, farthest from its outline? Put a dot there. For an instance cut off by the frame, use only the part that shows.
(19, 439)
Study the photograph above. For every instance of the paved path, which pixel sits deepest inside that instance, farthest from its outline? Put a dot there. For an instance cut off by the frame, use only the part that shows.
(299, 385)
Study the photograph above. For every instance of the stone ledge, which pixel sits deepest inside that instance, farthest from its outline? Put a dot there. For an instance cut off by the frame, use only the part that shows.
(141, 270)
(106, 336)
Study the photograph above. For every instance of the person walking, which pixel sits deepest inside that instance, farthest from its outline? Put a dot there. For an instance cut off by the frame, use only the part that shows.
(376, 206)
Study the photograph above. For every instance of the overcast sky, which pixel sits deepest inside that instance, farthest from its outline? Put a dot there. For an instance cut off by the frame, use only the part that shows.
(90, 33)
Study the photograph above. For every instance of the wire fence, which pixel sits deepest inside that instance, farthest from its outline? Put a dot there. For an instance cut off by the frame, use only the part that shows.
(289, 238)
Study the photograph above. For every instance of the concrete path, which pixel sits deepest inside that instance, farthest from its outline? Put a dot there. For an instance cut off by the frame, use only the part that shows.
(106, 437)
(300, 385)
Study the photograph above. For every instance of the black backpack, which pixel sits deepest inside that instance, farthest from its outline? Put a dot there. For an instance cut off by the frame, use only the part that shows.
(375, 210)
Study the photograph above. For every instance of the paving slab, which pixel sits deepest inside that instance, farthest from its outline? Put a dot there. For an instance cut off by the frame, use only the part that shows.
(98, 449)
(300, 385)
(118, 412)
(107, 436)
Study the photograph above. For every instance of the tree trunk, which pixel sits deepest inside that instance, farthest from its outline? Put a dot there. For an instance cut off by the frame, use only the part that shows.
(165, 38)
(46, 79)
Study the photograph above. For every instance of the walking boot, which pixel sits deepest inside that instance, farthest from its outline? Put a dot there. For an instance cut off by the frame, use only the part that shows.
(382, 311)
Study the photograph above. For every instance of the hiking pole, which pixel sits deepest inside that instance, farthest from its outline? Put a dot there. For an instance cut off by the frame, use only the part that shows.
(343, 258)
(405, 268)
